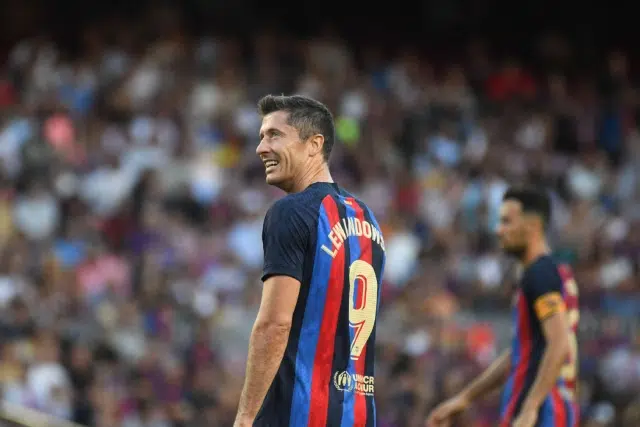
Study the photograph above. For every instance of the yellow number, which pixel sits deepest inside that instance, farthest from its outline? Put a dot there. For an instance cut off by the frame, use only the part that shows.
(569, 371)
(363, 305)
(572, 287)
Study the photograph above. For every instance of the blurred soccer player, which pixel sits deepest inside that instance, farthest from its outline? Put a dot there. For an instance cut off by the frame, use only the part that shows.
(540, 369)
(311, 352)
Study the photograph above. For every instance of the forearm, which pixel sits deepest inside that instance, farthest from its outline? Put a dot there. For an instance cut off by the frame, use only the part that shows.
(266, 348)
(547, 376)
(494, 376)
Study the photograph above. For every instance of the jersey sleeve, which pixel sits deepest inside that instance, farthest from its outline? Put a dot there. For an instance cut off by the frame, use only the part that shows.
(285, 235)
(544, 288)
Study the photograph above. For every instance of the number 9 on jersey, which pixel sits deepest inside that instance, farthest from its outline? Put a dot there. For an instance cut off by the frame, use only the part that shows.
(363, 304)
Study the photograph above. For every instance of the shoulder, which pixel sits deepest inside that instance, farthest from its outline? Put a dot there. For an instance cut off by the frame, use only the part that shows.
(286, 237)
(545, 288)
(305, 205)
(369, 215)
(364, 207)
(290, 215)
(543, 268)
(543, 276)
(291, 207)
(359, 202)
(283, 206)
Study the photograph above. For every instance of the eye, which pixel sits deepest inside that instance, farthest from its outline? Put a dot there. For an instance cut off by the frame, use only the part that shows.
(270, 134)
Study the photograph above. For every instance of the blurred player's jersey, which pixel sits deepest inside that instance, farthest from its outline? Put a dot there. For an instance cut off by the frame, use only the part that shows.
(545, 289)
(332, 244)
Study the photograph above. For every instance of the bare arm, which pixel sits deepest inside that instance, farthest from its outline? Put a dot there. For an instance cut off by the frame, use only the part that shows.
(267, 344)
(491, 378)
(556, 332)
(494, 376)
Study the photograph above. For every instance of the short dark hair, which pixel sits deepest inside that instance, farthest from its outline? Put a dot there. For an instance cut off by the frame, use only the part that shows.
(532, 201)
(307, 115)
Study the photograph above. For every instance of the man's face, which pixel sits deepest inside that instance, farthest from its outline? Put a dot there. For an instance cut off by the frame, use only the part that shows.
(512, 230)
(282, 152)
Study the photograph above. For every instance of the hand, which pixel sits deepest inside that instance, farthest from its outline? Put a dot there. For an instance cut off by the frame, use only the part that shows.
(442, 414)
(527, 418)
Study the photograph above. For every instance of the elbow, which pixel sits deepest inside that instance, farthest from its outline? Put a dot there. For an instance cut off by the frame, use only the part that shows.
(566, 348)
(562, 348)
(274, 332)
(272, 325)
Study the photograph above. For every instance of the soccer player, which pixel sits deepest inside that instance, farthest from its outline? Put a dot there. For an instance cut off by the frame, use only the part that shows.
(311, 352)
(540, 369)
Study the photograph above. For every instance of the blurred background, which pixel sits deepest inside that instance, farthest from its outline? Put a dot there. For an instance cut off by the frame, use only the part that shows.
(131, 198)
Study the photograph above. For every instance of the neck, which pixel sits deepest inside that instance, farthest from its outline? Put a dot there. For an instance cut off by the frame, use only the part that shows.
(535, 250)
(311, 176)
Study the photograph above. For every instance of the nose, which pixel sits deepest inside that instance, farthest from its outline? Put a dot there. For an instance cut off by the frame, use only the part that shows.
(262, 148)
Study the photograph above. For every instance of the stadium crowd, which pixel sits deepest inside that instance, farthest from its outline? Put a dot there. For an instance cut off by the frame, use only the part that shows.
(131, 207)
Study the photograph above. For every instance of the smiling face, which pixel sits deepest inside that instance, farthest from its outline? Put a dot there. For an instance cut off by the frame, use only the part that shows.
(282, 152)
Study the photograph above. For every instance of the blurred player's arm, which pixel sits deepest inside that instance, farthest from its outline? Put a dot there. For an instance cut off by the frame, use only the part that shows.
(545, 290)
(285, 236)
(493, 377)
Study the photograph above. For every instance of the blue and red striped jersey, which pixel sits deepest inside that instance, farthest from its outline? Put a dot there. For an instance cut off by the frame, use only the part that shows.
(332, 244)
(544, 286)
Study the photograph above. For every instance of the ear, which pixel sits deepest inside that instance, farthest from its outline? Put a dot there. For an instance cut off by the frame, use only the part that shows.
(316, 142)
(534, 224)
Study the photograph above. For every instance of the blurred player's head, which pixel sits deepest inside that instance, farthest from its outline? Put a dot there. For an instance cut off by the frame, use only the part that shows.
(524, 215)
(296, 138)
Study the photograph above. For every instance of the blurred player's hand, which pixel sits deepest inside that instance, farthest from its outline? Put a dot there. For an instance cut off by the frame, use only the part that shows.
(441, 416)
(527, 418)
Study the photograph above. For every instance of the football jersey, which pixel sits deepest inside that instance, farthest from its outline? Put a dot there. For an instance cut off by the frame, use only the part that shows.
(545, 288)
(330, 242)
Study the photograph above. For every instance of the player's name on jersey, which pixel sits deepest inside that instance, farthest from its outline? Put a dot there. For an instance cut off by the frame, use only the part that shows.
(348, 227)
